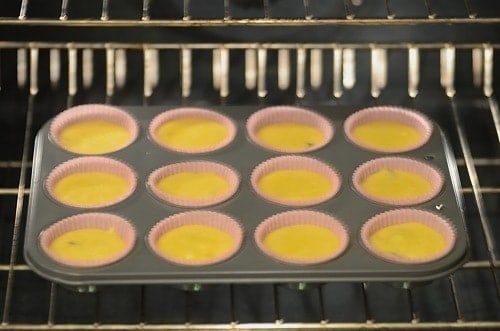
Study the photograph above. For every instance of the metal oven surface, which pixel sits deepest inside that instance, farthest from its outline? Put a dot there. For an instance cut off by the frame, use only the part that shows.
(422, 54)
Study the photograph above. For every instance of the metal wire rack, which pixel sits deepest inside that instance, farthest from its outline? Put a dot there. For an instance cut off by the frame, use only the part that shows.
(450, 80)
(40, 71)
(265, 13)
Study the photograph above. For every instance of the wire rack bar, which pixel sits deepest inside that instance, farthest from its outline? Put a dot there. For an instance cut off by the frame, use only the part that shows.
(187, 21)
(22, 183)
(430, 12)
(344, 64)
(145, 10)
(495, 114)
(236, 46)
(344, 57)
(470, 10)
(23, 9)
(322, 312)
(20, 199)
(485, 222)
(456, 301)
(349, 14)
(266, 9)
(186, 16)
(13, 191)
(277, 312)
(366, 305)
(64, 10)
(390, 11)
(413, 314)
(487, 325)
(105, 11)
(52, 303)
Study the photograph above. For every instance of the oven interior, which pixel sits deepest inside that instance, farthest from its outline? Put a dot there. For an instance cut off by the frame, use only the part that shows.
(431, 55)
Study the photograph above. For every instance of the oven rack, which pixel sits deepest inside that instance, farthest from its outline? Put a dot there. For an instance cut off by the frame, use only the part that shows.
(183, 13)
(305, 60)
(48, 77)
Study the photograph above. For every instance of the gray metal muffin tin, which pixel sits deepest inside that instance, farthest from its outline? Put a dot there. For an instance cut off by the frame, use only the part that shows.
(249, 265)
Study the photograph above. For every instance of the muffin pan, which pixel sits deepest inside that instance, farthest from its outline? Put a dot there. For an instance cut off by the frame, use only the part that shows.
(248, 264)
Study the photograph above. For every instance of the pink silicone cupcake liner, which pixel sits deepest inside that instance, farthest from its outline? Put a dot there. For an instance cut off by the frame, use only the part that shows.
(402, 115)
(293, 162)
(87, 164)
(90, 112)
(200, 217)
(298, 217)
(399, 216)
(230, 175)
(277, 114)
(100, 221)
(177, 113)
(429, 173)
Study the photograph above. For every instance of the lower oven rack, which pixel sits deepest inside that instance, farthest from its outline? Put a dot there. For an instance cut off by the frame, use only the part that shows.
(453, 83)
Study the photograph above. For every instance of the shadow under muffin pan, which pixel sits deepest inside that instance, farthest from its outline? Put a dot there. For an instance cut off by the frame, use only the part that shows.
(249, 264)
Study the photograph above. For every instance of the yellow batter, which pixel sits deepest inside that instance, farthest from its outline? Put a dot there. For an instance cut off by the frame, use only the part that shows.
(396, 184)
(293, 185)
(90, 188)
(388, 135)
(302, 241)
(411, 240)
(195, 243)
(290, 136)
(87, 244)
(193, 185)
(94, 137)
(192, 133)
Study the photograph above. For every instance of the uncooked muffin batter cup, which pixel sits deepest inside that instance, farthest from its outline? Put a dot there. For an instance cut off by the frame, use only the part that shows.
(93, 112)
(212, 219)
(192, 113)
(294, 162)
(400, 216)
(101, 221)
(430, 174)
(289, 114)
(85, 164)
(408, 117)
(226, 173)
(302, 217)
